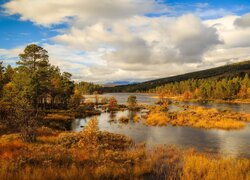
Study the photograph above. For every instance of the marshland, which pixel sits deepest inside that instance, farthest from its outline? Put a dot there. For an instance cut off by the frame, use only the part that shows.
(124, 89)
(101, 136)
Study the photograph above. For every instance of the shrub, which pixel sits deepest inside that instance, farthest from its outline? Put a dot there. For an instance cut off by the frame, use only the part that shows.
(131, 101)
(123, 119)
(157, 119)
(113, 105)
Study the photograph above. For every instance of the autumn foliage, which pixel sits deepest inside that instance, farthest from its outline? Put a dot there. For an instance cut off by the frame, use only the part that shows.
(93, 154)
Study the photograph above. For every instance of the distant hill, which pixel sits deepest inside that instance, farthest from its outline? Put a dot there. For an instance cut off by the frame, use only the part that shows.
(117, 83)
(231, 70)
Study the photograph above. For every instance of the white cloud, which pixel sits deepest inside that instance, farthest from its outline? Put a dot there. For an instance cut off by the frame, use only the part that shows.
(243, 21)
(47, 12)
(10, 56)
(141, 40)
(236, 45)
(113, 40)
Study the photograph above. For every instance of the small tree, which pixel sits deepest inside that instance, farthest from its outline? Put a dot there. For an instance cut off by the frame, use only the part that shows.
(21, 117)
(162, 96)
(28, 122)
(75, 99)
(242, 92)
(196, 93)
(104, 100)
(96, 97)
(112, 103)
(187, 95)
(131, 101)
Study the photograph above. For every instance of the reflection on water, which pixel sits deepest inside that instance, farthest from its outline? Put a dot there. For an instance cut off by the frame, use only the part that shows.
(235, 142)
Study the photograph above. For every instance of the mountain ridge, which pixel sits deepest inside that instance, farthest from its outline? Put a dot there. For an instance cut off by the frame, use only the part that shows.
(229, 70)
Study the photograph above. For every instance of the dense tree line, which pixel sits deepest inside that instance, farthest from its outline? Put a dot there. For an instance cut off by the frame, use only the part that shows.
(231, 70)
(224, 88)
(35, 80)
(87, 88)
(29, 88)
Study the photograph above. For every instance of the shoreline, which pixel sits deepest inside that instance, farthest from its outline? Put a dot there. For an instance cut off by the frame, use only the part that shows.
(180, 98)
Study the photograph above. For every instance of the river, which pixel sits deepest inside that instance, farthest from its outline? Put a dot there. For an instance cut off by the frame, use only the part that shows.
(150, 99)
(233, 143)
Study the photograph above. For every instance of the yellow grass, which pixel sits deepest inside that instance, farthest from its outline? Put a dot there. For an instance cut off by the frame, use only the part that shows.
(55, 116)
(201, 166)
(136, 118)
(93, 154)
(198, 117)
(210, 118)
(157, 119)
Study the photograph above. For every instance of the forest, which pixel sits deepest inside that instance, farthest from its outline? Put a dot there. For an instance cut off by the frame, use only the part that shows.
(208, 89)
(34, 87)
(39, 83)
(227, 71)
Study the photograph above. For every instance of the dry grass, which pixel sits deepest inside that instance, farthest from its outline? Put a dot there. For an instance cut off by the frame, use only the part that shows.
(247, 117)
(157, 118)
(93, 154)
(123, 119)
(198, 117)
(59, 117)
(136, 118)
(201, 166)
(209, 118)
(59, 121)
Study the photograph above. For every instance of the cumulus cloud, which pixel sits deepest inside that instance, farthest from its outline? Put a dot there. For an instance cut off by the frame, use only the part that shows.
(114, 40)
(192, 38)
(47, 12)
(236, 46)
(141, 40)
(243, 21)
(10, 56)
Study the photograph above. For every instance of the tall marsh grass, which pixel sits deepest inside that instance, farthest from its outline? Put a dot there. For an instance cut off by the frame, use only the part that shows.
(198, 117)
(93, 154)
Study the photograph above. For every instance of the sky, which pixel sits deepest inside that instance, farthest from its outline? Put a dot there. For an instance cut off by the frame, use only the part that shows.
(127, 40)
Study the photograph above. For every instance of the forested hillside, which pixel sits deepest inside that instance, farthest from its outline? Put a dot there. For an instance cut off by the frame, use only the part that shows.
(227, 71)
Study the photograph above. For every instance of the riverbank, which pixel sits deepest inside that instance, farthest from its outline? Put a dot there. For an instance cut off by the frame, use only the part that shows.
(94, 154)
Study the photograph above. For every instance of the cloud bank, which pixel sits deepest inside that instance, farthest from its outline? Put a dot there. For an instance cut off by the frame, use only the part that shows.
(135, 40)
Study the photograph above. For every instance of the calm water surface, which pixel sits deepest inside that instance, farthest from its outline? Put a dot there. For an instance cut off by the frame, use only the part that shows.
(234, 142)
(150, 99)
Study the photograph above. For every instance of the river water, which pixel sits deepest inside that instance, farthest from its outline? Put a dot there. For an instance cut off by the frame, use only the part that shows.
(233, 143)
(150, 99)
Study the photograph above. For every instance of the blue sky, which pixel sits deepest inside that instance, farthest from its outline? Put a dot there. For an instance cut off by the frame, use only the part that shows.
(14, 32)
(94, 41)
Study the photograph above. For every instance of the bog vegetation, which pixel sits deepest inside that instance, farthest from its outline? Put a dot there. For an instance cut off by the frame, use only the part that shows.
(93, 154)
(197, 117)
(38, 103)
